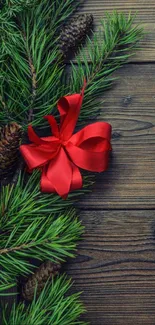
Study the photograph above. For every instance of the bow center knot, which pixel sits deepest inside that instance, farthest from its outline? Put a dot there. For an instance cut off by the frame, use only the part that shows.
(63, 142)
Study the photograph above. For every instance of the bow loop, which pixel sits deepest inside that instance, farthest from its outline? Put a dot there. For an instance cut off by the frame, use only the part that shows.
(53, 124)
(69, 109)
(33, 137)
(88, 136)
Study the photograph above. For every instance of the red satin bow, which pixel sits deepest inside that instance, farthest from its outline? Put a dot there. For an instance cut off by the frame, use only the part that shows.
(60, 155)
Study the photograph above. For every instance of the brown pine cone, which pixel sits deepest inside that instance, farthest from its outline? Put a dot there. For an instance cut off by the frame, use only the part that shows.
(46, 271)
(74, 34)
(10, 140)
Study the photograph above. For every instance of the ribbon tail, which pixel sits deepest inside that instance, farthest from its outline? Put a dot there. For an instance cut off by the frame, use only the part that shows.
(57, 177)
(76, 178)
(45, 184)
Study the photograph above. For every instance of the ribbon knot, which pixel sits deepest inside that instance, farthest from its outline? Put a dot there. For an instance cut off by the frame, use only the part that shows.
(60, 155)
(62, 142)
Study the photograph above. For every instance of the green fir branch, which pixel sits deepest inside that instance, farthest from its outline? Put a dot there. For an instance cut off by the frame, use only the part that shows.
(107, 51)
(41, 238)
(25, 199)
(53, 307)
(35, 226)
(34, 51)
(30, 42)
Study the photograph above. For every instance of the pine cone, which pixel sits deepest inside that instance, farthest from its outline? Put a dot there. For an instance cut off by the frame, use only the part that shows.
(74, 34)
(10, 140)
(46, 271)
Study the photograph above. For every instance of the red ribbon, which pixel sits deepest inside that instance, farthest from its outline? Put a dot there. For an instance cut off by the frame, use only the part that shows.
(59, 156)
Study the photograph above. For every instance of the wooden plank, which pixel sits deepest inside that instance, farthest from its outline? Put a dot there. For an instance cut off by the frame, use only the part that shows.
(130, 108)
(115, 267)
(145, 16)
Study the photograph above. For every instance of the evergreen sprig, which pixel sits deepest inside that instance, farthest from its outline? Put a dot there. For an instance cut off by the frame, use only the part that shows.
(29, 40)
(35, 225)
(107, 51)
(32, 91)
(53, 307)
(43, 237)
(25, 199)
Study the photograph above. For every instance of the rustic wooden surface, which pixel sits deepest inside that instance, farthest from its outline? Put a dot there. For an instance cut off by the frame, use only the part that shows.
(115, 267)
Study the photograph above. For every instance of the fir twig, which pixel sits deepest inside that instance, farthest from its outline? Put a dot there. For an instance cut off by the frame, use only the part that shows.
(53, 306)
(107, 51)
(29, 195)
(42, 238)
(31, 226)
(29, 40)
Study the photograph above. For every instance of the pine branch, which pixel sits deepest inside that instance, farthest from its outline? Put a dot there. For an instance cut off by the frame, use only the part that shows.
(31, 43)
(53, 306)
(29, 195)
(42, 238)
(110, 49)
(35, 225)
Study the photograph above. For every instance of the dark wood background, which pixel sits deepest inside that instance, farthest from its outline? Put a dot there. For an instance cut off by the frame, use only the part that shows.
(115, 267)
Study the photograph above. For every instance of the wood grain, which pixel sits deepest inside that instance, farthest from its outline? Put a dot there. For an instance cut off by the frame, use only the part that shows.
(130, 108)
(145, 16)
(115, 267)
